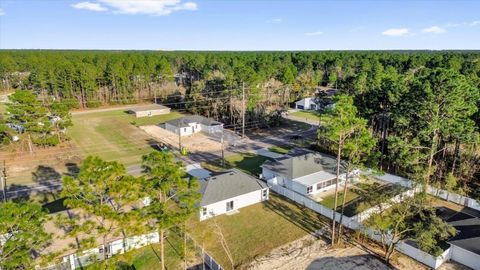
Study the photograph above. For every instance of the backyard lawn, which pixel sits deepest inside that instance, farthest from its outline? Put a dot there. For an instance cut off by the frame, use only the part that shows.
(309, 115)
(360, 197)
(255, 230)
(247, 162)
(112, 135)
(329, 201)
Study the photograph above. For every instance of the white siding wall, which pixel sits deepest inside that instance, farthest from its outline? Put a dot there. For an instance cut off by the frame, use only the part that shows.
(306, 103)
(244, 200)
(293, 185)
(465, 257)
(152, 112)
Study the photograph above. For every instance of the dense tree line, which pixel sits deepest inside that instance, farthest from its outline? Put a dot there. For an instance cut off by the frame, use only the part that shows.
(421, 106)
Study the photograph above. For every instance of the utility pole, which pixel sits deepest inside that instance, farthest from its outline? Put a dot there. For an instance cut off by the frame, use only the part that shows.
(180, 139)
(223, 151)
(243, 109)
(3, 181)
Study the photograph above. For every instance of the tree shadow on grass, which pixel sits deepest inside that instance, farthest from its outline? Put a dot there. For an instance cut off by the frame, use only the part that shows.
(304, 218)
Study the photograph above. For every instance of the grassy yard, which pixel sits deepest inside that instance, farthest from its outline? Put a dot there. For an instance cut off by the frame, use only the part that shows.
(255, 230)
(360, 197)
(310, 115)
(329, 201)
(281, 150)
(247, 162)
(113, 135)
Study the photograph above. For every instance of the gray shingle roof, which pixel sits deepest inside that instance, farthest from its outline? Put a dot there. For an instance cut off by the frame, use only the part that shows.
(302, 165)
(227, 185)
(184, 121)
(468, 232)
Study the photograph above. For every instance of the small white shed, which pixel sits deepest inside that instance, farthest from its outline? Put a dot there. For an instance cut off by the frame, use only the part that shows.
(306, 104)
(149, 110)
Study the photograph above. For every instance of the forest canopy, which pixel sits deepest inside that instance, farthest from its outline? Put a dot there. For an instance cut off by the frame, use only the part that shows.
(422, 106)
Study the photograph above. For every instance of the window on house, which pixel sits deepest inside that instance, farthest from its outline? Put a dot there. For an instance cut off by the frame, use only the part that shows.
(185, 129)
(264, 194)
(230, 206)
(204, 211)
(309, 189)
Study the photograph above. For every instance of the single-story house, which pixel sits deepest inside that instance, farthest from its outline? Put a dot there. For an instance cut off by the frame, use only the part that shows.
(307, 104)
(149, 110)
(229, 191)
(465, 245)
(189, 125)
(307, 173)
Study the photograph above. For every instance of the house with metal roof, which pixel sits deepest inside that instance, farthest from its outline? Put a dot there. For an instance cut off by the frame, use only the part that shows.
(149, 110)
(189, 125)
(306, 173)
(229, 191)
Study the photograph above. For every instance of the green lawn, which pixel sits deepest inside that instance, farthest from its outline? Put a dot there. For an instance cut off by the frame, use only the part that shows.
(281, 150)
(247, 162)
(113, 135)
(309, 115)
(361, 197)
(329, 201)
(255, 230)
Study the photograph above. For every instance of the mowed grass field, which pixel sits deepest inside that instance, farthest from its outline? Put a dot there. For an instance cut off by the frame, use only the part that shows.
(113, 135)
(256, 230)
(309, 115)
(247, 162)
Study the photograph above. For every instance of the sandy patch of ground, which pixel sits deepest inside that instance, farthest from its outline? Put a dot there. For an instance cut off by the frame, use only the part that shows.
(309, 253)
(313, 254)
(198, 142)
(44, 164)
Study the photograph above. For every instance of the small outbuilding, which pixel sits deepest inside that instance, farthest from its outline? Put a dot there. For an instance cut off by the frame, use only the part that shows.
(306, 104)
(229, 191)
(149, 110)
(193, 124)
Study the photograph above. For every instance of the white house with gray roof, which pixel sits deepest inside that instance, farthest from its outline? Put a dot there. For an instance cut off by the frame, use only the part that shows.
(229, 191)
(189, 125)
(307, 173)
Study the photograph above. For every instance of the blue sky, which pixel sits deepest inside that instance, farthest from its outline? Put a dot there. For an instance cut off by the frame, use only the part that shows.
(239, 25)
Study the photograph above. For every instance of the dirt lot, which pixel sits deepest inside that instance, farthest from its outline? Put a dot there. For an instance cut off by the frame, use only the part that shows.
(24, 168)
(198, 142)
(312, 254)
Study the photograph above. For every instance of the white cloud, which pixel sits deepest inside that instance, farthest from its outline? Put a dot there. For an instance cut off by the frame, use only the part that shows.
(395, 32)
(474, 23)
(89, 6)
(2, 12)
(471, 24)
(150, 7)
(434, 30)
(278, 20)
(311, 34)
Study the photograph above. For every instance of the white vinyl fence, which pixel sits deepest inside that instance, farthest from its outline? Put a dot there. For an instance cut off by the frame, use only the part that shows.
(440, 193)
(355, 222)
(453, 197)
(95, 255)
